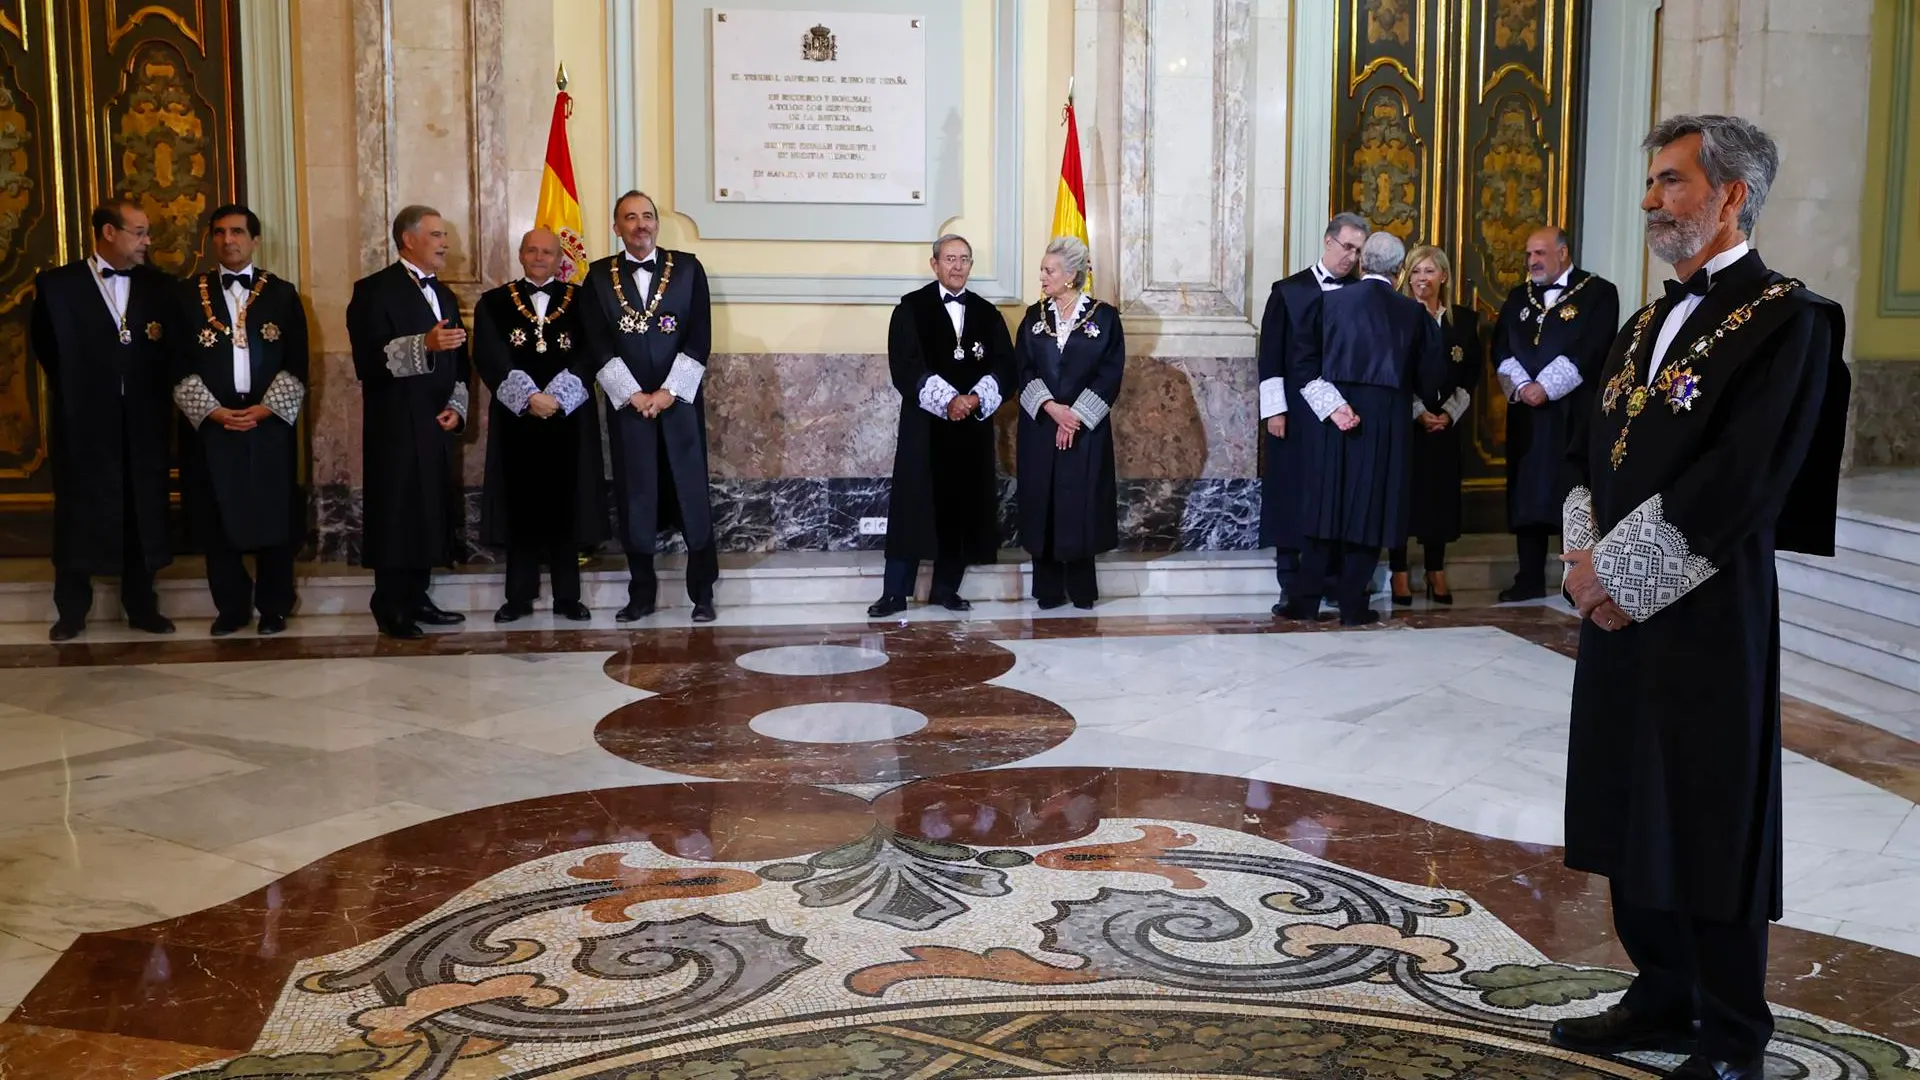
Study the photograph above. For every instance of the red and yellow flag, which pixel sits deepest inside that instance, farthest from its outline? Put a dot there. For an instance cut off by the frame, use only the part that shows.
(559, 205)
(1070, 200)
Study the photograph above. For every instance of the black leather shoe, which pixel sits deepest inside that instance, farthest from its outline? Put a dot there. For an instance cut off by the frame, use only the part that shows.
(571, 610)
(272, 624)
(952, 602)
(66, 629)
(152, 623)
(1621, 1031)
(1049, 605)
(634, 611)
(512, 612)
(1365, 618)
(1702, 1068)
(1084, 605)
(886, 607)
(403, 629)
(704, 612)
(1518, 593)
(430, 615)
(1299, 612)
(227, 624)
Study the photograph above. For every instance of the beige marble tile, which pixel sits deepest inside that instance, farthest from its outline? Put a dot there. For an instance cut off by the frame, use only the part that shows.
(29, 738)
(57, 790)
(66, 691)
(285, 678)
(294, 848)
(253, 727)
(57, 882)
(22, 963)
(563, 727)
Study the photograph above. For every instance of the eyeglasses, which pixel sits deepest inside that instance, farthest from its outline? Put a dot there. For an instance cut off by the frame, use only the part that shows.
(957, 260)
(1351, 249)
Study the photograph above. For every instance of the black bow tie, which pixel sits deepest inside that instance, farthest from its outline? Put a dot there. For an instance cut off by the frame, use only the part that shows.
(109, 273)
(1697, 285)
(551, 288)
(651, 266)
(955, 298)
(228, 281)
(425, 281)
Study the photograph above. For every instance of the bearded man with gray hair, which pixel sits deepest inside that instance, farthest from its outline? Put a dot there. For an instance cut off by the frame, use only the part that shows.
(1715, 442)
(1367, 350)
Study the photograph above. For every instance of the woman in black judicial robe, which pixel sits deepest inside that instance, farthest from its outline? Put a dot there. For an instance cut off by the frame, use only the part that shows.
(1070, 355)
(1434, 473)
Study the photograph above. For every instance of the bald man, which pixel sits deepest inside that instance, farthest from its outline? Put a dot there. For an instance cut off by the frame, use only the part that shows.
(1553, 335)
(534, 343)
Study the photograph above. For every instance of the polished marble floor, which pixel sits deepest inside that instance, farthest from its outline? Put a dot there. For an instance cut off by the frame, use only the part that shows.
(800, 844)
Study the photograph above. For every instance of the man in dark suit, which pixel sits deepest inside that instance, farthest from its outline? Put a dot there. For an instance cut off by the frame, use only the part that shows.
(1377, 350)
(1287, 312)
(410, 353)
(660, 320)
(949, 352)
(1553, 335)
(240, 361)
(99, 329)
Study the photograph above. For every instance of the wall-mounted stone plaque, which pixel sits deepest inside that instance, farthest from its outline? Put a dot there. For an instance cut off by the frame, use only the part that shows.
(819, 107)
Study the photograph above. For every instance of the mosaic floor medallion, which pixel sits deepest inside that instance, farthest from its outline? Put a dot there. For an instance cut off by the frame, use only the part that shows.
(1143, 948)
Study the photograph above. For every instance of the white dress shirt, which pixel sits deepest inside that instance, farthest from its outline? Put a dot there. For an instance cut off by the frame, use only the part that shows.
(1552, 293)
(426, 288)
(642, 280)
(956, 312)
(1677, 318)
(1325, 277)
(236, 305)
(540, 299)
(113, 290)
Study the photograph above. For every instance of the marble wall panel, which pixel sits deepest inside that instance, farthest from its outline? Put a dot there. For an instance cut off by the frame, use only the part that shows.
(848, 500)
(777, 414)
(333, 421)
(1187, 417)
(1884, 430)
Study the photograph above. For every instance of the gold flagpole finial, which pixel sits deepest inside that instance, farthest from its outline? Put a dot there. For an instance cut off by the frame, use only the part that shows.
(560, 80)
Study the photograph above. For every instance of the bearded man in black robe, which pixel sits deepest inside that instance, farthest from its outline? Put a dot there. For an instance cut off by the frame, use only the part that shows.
(99, 329)
(410, 353)
(1715, 442)
(1553, 333)
(949, 351)
(241, 366)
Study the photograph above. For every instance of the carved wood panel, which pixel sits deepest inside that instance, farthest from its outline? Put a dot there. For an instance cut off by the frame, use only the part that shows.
(1456, 124)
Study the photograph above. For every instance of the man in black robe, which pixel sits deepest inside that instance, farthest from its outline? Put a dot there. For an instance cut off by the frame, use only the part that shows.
(410, 353)
(1716, 442)
(99, 328)
(241, 369)
(660, 325)
(1553, 333)
(1287, 312)
(1377, 350)
(949, 352)
(535, 350)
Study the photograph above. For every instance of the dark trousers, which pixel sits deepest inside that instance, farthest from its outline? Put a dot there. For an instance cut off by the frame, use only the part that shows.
(703, 569)
(400, 594)
(235, 594)
(563, 569)
(1352, 563)
(1056, 581)
(73, 589)
(1712, 972)
(1530, 542)
(1434, 555)
(902, 574)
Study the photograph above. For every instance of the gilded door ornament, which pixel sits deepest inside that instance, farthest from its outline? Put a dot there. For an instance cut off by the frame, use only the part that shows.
(19, 429)
(1386, 166)
(164, 154)
(1389, 20)
(1511, 184)
(16, 164)
(1517, 22)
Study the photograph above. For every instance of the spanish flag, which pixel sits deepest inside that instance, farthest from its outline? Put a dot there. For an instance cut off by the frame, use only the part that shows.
(1070, 201)
(559, 205)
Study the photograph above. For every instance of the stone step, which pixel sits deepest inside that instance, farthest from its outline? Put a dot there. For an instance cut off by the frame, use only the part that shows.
(1875, 584)
(1857, 641)
(1884, 535)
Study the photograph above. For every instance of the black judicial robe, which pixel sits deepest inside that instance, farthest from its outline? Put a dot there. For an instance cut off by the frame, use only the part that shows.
(1379, 349)
(409, 514)
(242, 486)
(945, 498)
(1673, 781)
(659, 465)
(1537, 438)
(1075, 487)
(1435, 472)
(1281, 506)
(543, 476)
(112, 414)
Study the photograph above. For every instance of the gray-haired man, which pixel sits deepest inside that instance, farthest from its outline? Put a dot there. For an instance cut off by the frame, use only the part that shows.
(1715, 442)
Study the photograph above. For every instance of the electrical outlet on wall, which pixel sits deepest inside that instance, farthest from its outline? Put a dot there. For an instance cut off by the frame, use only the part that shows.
(873, 526)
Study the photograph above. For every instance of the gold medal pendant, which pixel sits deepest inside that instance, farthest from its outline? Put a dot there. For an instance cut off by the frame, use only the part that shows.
(208, 339)
(540, 344)
(153, 331)
(270, 332)
(126, 336)
(1568, 313)
(629, 324)
(517, 337)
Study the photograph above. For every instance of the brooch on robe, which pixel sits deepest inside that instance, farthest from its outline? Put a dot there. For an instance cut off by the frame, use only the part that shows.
(1526, 315)
(269, 332)
(668, 324)
(1568, 313)
(153, 331)
(565, 341)
(1093, 331)
(1682, 389)
(1040, 327)
(979, 351)
(1459, 354)
(517, 338)
(208, 339)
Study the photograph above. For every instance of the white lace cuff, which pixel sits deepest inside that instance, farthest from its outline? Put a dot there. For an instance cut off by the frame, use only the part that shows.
(514, 391)
(1559, 378)
(1090, 408)
(1513, 376)
(1035, 395)
(196, 402)
(936, 394)
(1322, 397)
(285, 394)
(408, 356)
(1457, 404)
(1273, 398)
(458, 402)
(568, 388)
(618, 382)
(683, 379)
(1577, 530)
(988, 391)
(1646, 564)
